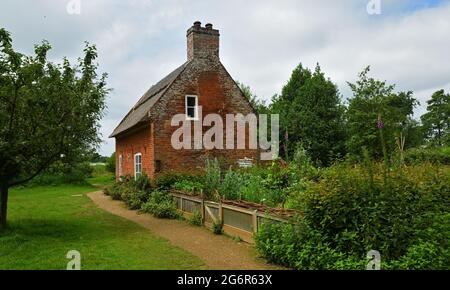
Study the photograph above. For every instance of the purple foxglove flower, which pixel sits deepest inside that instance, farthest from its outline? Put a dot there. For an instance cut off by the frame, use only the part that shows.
(380, 122)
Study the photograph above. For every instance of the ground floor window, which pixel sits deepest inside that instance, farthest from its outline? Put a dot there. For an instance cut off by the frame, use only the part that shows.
(137, 165)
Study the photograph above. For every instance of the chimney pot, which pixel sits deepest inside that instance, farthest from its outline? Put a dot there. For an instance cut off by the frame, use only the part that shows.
(202, 42)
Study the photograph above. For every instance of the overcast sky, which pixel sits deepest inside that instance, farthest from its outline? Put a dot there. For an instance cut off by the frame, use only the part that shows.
(140, 41)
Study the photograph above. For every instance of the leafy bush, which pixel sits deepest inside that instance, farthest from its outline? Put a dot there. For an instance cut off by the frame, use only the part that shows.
(439, 155)
(133, 193)
(255, 191)
(296, 245)
(161, 205)
(168, 180)
(212, 177)
(217, 227)
(351, 210)
(111, 163)
(60, 173)
(188, 185)
(143, 183)
(196, 218)
(232, 183)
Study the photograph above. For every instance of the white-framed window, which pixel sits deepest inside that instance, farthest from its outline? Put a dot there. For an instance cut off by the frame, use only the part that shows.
(120, 165)
(137, 165)
(191, 104)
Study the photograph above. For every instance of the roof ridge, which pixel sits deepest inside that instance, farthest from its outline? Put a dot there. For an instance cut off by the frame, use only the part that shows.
(155, 91)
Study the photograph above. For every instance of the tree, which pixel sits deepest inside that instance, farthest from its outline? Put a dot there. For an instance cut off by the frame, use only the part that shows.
(436, 121)
(111, 163)
(48, 112)
(311, 113)
(373, 99)
(258, 104)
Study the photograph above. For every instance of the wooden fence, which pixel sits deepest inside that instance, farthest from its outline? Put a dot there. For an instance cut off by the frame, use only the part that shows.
(237, 220)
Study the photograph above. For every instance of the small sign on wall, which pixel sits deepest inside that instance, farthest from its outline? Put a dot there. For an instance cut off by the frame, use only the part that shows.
(245, 163)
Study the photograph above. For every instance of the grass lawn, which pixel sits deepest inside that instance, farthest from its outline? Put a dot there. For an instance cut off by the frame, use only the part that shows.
(45, 222)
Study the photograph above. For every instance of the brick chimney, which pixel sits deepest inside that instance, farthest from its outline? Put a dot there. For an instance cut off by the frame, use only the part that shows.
(202, 42)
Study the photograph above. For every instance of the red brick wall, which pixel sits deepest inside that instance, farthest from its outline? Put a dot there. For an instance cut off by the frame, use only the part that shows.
(217, 93)
(140, 141)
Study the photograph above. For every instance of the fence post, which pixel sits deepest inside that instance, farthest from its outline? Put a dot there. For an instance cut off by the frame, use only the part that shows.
(202, 206)
(255, 221)
(220, 212)
(181, 203)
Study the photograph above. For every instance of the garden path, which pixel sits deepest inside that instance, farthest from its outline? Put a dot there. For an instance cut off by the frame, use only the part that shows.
(218, 252)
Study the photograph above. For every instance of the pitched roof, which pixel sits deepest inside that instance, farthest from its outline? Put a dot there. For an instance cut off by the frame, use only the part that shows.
(140, 110)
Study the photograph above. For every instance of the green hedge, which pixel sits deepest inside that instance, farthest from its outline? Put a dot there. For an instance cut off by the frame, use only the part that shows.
(439, 155)
(352, 210)
(140, 194)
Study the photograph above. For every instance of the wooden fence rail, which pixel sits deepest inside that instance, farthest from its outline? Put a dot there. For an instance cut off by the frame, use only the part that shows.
(237, 221)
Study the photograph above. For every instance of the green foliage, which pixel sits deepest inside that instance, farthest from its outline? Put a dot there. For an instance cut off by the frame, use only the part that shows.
(143, 183)
(195, 219)
(188, 185)
(417, 156)
(232, 184)
(49, 112)
(373, 98)
(161, 205)
(257, 104)
(111, 163)
(436, 121)
(352, 209)
(95, 157)
(255, 191)
(212, 177)
(60, 173)
(217, 227)
(168, 180)
(133, 193)
(311, 112)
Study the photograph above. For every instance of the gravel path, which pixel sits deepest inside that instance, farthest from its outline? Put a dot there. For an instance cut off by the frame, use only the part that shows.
(217, 251)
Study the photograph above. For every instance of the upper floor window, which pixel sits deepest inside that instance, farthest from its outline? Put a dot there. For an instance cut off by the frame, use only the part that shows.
(191, 107)
(137, 165)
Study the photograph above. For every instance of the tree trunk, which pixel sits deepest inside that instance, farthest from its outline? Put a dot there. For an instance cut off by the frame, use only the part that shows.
(3, 205)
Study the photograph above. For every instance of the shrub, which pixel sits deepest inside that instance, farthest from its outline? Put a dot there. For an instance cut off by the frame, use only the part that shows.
(439, 155)
(133, 193)
(353, 209)
(143, 183)
(196, 218)
(188, 185)
(296, 245)
(135, 199)
(111, 163)
(232, 183)
(255, 191)
(60, 173)
(168, 180)
(212, 177)
(217, 227)
(161, 205)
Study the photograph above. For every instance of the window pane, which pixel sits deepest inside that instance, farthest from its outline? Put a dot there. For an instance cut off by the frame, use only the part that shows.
(190, 101)
(191, 112)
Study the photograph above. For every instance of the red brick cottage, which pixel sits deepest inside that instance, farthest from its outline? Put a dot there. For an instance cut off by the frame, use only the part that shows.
(143, 137)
